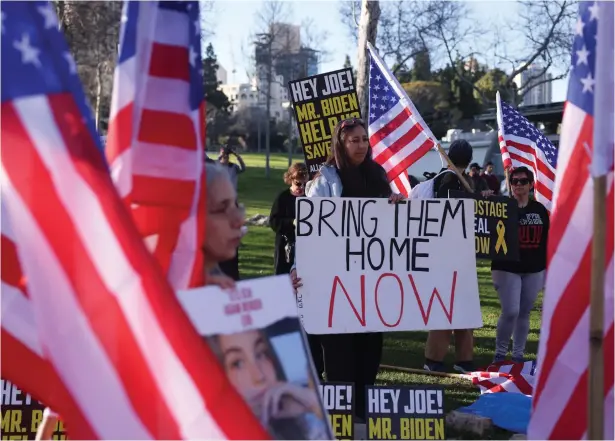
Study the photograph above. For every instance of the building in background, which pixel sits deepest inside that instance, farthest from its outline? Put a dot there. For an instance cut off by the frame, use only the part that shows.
(221, 75)
(539, 84)
(246, 95)
(291, 61)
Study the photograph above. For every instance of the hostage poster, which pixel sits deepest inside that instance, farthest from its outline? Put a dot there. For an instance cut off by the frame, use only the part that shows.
(256, 334)
(320, 102)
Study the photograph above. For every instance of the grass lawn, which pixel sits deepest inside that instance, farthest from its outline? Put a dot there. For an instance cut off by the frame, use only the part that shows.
(403, 349)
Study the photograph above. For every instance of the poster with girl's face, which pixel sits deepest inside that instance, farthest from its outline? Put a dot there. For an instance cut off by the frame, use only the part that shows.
(256, 334)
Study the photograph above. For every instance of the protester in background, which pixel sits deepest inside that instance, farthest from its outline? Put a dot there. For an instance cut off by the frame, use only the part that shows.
(231, 267)
(460, 154)
(234, 170)
(350, 171)
(282, 217)
(478, 183)
(286, 410)
(281, 220)
(224, 224)
(493, 182)
(413, 181)
(47, 426)
(518, 283)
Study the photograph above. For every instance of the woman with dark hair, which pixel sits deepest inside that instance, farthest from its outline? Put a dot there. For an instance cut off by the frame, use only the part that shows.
(282, 221)
(282, 217)
(350, 171)
(518, 283)
(286, 410)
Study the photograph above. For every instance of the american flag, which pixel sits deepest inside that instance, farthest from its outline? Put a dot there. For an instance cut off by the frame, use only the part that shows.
(90, 326)
(397, 134)
(522, 144)
(156, 133)
(561, 392)
(505, 376)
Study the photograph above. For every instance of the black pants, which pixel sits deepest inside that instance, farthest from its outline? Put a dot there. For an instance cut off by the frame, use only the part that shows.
(353, 358)
(231, 267)
(315, 344)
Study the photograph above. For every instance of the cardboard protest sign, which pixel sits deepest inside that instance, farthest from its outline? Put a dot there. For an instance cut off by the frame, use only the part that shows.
(495, 226)
(21, 414)
(370, 266)
(320, 102)
(256, 334)
(338, 399)
(405, 412)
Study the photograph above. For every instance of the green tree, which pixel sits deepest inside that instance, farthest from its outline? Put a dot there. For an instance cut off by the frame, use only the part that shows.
(431, 100)
(217, 103)
(421, 71)
(348, 64)
(493, 81)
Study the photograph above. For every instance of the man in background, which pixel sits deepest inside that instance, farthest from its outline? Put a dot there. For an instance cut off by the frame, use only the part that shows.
(477, 181)
(493, 182)
(231, 267)
(234, 170)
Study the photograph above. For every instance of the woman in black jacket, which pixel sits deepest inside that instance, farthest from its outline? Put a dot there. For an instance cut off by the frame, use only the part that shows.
(282, 217)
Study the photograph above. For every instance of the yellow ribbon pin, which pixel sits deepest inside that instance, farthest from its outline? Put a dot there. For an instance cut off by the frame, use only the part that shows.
(501, 243)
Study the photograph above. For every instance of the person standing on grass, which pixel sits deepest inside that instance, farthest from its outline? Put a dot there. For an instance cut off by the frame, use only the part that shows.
(460, 154)
(231, 267)
(282, 221)
(518, 283)
(351, 172)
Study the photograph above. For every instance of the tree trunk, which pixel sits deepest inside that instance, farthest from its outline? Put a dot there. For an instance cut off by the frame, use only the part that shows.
(268, 119)
(368, 28)
(99, 89)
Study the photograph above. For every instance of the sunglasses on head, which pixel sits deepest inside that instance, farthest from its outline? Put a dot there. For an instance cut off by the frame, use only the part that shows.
(519, 181)
(351, 122)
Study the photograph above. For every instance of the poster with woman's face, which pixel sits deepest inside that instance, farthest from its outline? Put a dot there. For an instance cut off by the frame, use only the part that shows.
(255, 332)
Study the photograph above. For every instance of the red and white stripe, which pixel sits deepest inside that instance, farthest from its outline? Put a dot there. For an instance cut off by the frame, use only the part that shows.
(560, 398)
(399, 137)
(118, 357)
(505, 377)
(518, 151)
(155, 144)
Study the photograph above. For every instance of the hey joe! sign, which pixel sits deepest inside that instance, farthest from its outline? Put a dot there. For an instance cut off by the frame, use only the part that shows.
(495, 226)
(338, 399)
(370, 266)
(320, 102)
(403, 412)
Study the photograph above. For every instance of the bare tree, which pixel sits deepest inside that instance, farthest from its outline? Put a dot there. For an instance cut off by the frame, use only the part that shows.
(406, 27)
(545, 27)
(368, 30)
(281, 53)
(92, 31)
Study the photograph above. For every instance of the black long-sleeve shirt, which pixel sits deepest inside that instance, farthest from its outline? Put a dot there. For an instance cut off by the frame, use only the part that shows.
(281, 221)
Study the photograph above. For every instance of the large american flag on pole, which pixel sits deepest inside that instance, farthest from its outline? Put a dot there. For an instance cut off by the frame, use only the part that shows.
(90, 325)
(561, 392)
(156, 133)
(522, 144)
(397, 134)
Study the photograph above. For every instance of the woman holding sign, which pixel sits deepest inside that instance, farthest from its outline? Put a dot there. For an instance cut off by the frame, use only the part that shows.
(351, 172)
(518, 283)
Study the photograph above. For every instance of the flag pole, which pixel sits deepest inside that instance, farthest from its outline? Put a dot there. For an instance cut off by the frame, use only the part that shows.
(595, 402)
(452, 166)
